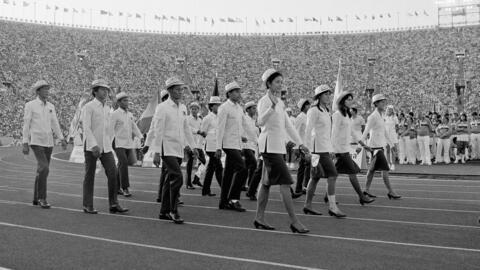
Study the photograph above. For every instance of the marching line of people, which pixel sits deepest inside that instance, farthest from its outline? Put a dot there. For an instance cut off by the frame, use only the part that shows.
(254, 139)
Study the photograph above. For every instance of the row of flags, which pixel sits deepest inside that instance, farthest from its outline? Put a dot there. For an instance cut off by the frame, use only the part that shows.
(211, 20)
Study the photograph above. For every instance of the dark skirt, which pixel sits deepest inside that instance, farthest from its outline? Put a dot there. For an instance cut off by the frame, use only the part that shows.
(325, 168)
(379, 161)
(277, 170)
(345, 164)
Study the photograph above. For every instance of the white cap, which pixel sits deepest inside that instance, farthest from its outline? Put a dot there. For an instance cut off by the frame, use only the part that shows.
(100, 83)
(215, 100)
(378, 97)
(250, 104)
(232, 86)
(301, 102)
(342, 95)
(163, 93)
(39, 84)
(269, 72)
(322, 89)
(121, 95)
(172, 81)
(195, 104)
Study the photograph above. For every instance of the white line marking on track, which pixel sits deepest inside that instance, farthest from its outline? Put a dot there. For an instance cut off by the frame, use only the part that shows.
(282, 213)
(283, 232)
(183, 251)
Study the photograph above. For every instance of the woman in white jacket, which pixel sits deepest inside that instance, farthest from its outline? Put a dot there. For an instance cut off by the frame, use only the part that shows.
(275, 129)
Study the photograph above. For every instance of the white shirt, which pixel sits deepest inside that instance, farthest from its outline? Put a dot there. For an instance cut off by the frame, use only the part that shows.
(39, 123)
(377, 130)
(172, 131)
(276, 127)
(194, 124)
(342, 133)
(124, 128)
(318, 131)
(97, 127)
(252, 140)
(209, 125)
(300, 125)
(151, 130)
(231, 126)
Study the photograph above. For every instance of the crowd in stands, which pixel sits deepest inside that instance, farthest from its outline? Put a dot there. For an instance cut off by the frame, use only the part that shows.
(415, 69)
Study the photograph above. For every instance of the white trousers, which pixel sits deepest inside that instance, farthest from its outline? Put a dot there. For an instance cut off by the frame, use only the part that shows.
(411, 147)
(424, 147)
(475, 141)
(402, 149)
(443, 145)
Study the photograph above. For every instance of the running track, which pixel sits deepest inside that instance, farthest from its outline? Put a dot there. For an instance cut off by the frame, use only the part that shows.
(434, 226)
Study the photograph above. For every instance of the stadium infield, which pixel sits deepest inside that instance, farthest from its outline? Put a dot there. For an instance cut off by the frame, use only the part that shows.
(434, 226)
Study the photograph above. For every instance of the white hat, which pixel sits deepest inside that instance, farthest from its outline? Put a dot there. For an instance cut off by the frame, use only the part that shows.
(232, 86)
(288, 110)
(163, 93)
(250, 104)
(322, 89)
(301, 102)
(215, 100)
(378, 97)
(195, 104)
(172, 81)
(121, 95)
(267, 74)
(100, 83)
(39, 84)
(342, 95)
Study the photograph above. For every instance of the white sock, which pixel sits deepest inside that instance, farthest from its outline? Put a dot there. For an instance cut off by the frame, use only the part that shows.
(332, 202)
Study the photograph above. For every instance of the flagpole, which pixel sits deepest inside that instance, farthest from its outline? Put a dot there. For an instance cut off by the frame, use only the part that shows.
(162, 24)
(91, 19)
(178, 25)
(398, 19)
(296, 26)
(246, 25)
(195, 25)
(144, 28)
(35, 11)
(346, 21)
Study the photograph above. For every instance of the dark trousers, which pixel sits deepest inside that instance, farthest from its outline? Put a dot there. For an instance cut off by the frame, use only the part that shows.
(124, 157)
(172, 184)
(257, 177)
(214, 166)
(163, 176)
(250, 162)
(108, 162)
(201, 158)
(303, 173)
(233, 177)
(43, 155)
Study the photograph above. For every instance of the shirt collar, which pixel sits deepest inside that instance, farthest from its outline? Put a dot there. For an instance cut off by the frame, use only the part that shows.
(172, 103)
(41, 101)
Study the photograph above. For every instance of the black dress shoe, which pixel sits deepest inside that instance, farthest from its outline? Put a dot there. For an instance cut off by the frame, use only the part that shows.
(392, 196)
(164, 217)
(236, 206)
(176, 218)
(369, 194)
(308, 211)
(294, 194)
(127, 193)
(120, 192)
(43, 204)
(190, 187)
(337, 214)
(296, 230)
(209, 194)
(34, 202)
(365, 200)
(262, 226)
(244, 188)
(117, 209)
(180, 202)
(90, 210)
(159, 200)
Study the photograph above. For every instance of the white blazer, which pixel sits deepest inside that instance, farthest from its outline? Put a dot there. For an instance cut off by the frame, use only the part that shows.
(318, 131)
(97, 126)
(209, 125)
(276, 127)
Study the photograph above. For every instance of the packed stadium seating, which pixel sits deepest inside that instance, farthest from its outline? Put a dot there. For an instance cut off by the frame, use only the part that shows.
(416, 69)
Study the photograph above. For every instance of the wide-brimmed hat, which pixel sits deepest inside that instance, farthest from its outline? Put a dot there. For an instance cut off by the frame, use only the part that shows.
(267, 74)
(163, 93)
(194, 104)
(250, 104)
(215, 100)
(121, 95)
(100, 83)
(378, 97)
(232, 86)
(302, 102)
(342, 96)
(39, 84)
(322, 89)
(172, 81)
